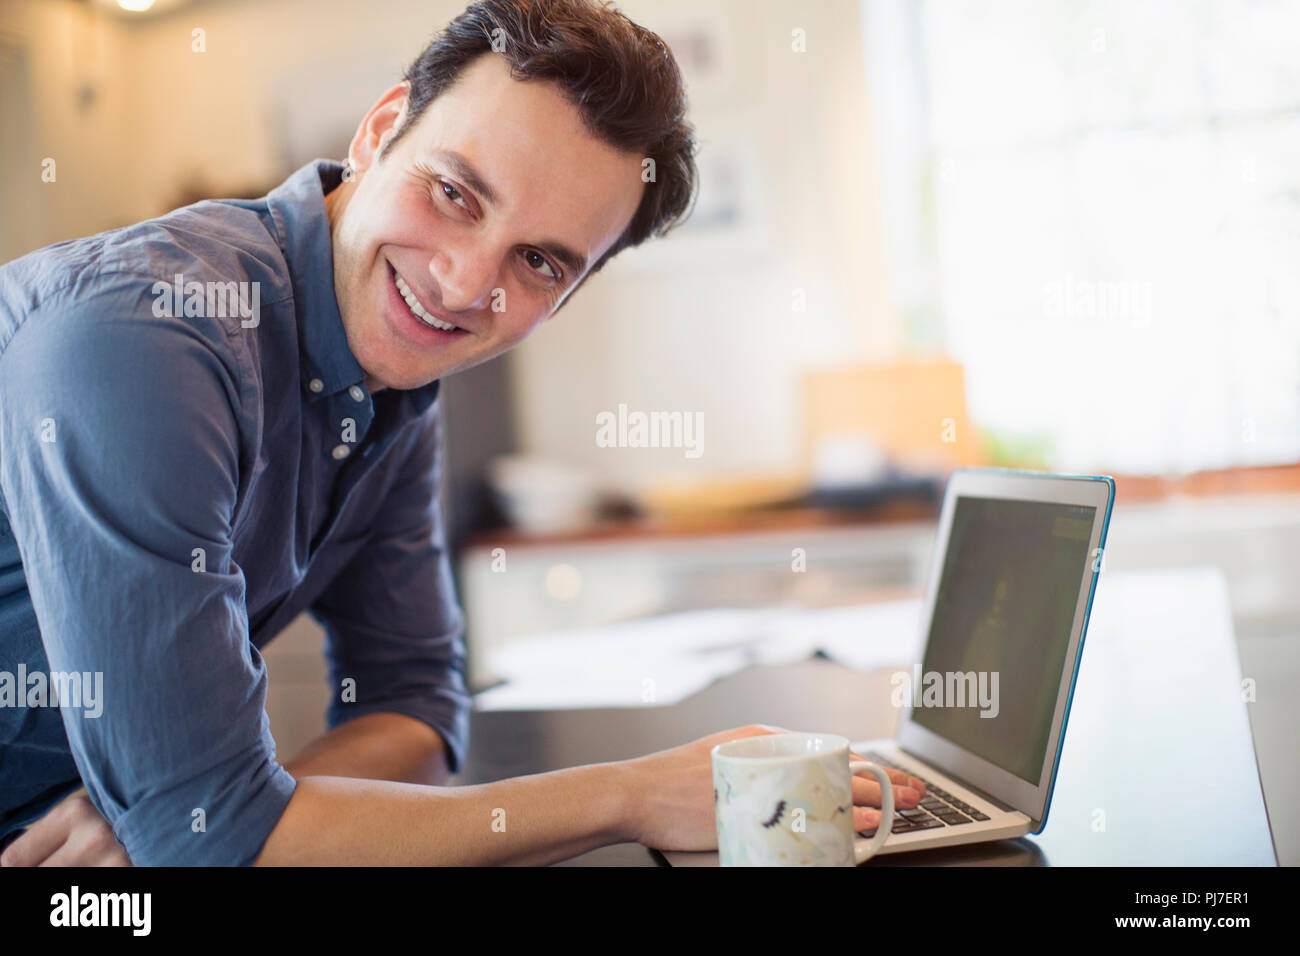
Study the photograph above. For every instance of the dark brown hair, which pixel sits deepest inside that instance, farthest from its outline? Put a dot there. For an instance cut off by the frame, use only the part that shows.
(621, 77)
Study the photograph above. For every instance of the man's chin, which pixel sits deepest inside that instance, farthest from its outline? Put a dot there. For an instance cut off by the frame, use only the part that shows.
(401, 379)
(398, 383)
(383, 372)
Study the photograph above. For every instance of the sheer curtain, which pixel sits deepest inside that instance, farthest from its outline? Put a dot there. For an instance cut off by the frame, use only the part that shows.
(1095, 206)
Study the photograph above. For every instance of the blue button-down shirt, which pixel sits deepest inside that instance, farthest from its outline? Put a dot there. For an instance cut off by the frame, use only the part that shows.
(183, 470)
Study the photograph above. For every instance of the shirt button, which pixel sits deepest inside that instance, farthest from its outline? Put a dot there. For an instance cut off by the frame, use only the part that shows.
(316, 385)
(356, 393)
(340, 451)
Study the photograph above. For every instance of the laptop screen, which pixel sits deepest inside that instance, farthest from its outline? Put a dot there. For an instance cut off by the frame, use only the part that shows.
(1001, 626)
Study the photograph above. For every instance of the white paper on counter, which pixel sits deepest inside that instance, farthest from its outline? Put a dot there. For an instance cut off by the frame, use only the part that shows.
(661, 660)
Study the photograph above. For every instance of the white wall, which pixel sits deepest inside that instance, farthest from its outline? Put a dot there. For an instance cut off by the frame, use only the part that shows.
(71, 103)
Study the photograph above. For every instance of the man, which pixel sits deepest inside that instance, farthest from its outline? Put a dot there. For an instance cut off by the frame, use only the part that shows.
(181, 479)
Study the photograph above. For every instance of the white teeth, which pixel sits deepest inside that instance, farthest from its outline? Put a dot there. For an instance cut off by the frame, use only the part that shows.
(418, 309)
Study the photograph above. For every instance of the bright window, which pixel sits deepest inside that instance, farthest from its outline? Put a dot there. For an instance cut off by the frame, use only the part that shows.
(1095, 206)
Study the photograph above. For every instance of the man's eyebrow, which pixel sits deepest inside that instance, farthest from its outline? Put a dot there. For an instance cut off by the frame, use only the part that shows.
(464, 169)
(574, 262)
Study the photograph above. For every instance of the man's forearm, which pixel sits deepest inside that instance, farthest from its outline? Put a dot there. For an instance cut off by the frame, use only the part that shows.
(377, 747)
(336, 821)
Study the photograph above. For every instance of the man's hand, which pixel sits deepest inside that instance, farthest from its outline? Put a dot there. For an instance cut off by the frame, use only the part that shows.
(672, 793)
(908, 792)
(72, 833)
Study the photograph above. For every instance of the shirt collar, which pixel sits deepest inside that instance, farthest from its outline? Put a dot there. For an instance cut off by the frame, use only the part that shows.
(297, 208)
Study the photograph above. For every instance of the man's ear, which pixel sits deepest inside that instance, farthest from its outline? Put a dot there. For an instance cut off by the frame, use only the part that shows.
(378, 126)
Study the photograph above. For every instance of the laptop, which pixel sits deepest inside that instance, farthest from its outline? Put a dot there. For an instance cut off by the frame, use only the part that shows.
(1016, 563)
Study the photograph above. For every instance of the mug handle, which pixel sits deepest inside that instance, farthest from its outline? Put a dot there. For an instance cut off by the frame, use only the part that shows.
(865, 851)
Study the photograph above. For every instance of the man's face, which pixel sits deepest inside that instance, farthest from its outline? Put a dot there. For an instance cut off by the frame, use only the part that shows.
(420, 222)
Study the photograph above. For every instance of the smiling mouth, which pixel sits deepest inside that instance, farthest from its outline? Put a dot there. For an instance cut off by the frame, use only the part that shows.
(418, 310)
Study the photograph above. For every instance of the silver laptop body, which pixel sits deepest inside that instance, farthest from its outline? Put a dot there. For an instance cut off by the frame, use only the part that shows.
(1016, 564)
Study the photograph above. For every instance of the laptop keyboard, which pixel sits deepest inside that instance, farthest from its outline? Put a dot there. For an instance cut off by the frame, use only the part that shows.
(938, 808)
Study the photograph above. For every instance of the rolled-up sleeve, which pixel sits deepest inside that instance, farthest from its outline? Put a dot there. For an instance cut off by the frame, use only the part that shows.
(394, 628)
(120, 466)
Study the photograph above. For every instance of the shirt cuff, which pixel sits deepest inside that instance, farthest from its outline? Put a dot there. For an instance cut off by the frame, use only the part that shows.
(449, 717)
(239, 809)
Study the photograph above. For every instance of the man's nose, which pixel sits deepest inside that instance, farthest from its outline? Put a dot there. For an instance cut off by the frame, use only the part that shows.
(466, 277)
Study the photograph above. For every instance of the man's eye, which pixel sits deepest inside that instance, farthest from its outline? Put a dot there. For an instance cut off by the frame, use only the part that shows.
(452, 193)
(533, 254)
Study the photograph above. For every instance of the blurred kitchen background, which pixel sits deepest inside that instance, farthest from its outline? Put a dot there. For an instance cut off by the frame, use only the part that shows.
(930, 233)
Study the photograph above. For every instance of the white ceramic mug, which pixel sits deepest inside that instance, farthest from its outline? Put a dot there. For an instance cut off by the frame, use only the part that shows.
(787, 800)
